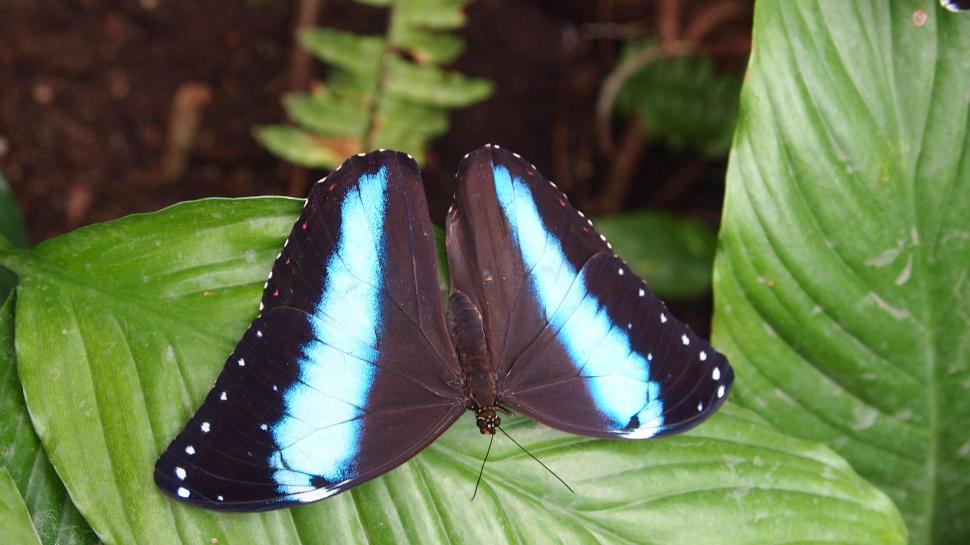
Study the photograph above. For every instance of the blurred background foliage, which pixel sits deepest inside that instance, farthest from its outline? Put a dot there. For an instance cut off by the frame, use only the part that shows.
(684, 103)
(381, 91)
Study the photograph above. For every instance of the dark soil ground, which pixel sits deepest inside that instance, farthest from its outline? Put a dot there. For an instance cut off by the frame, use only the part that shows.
(87, 87)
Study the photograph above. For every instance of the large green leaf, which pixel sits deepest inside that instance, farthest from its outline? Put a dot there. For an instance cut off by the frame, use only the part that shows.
(122, 327)
(842, 288)
(14, 518)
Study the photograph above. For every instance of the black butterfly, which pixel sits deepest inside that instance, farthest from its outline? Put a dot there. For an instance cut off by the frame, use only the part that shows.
(350, 369)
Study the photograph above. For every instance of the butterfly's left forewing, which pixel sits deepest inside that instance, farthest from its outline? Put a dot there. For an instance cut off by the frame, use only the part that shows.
(347, 372)
(581, 343)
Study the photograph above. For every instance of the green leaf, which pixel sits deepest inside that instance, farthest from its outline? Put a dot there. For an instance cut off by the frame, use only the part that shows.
(356, 53)
(672, 254)
(122, 327)
(13, 234)
(53, 514)
(12, 228)
(841, 287)
(431, 85)
(326, 114)
(428, 47)
(304, 148)
(14, 518)
(431, 14)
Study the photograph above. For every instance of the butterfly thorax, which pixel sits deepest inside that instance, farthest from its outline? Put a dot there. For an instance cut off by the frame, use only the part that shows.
(479, 378)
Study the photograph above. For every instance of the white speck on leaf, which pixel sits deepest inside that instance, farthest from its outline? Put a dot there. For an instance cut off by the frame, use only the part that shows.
(898, 313)
(865, 418)
(784, 397)
(906, 272)
(251, 255)
(887, 256)
(964, 451)
(903, 416)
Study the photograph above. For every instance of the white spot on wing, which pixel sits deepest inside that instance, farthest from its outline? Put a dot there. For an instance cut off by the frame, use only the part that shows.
(663, 318)
(180, 473)
(223, 396)
(183, 492)
(205, 427)
(259, 333)
(190, 450)
(720, 391)
(241, 362)
(263, 427)
(619, 271)
(685, 339)
(700, 406)
(642, 293)
(716, 375)
(703, 355)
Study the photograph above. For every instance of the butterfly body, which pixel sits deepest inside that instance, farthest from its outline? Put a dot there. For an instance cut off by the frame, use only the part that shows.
(352, 365)
(479, 374)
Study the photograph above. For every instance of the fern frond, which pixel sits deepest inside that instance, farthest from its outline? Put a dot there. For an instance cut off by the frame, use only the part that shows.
(385, 91)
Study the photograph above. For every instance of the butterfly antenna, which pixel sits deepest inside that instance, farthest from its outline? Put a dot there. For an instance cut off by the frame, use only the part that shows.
(481, 471)
(537, 460)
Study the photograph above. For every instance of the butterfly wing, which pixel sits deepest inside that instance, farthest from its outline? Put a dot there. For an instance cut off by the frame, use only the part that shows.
(348, 370)
(956, 5)
(581, 343)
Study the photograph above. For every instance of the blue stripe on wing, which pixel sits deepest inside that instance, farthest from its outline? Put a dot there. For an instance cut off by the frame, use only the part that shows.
(331, 396)
(617, 376)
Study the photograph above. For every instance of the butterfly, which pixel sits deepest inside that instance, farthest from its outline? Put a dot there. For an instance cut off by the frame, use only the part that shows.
(956, 5)
(352, 366)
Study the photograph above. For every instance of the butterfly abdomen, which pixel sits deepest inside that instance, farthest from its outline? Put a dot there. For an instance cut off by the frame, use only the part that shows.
(478, 371)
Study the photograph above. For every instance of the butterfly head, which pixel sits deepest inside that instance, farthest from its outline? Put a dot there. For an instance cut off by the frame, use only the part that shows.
(487, 420)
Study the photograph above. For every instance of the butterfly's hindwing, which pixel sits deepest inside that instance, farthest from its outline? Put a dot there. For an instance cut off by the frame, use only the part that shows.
(581, 343)
(347, 372)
